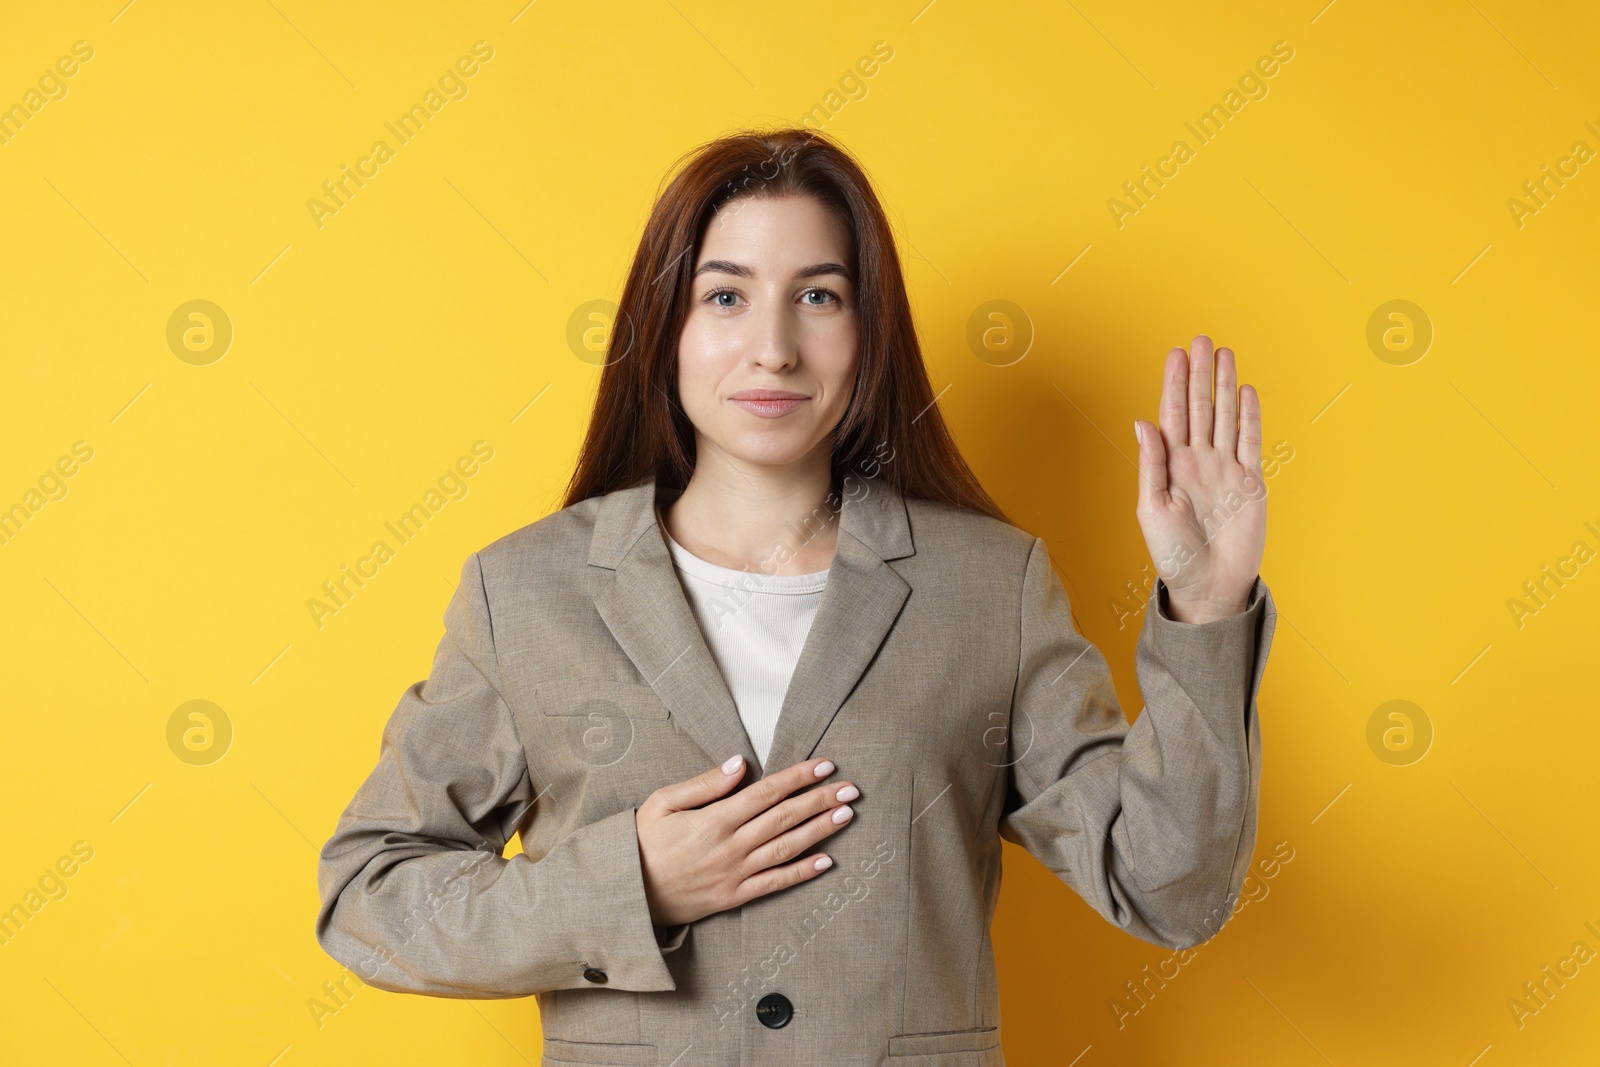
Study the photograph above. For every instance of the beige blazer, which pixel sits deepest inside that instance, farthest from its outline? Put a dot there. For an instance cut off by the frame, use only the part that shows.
(943, 675)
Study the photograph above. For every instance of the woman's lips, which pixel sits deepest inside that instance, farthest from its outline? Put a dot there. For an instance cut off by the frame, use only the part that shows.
(770, 408)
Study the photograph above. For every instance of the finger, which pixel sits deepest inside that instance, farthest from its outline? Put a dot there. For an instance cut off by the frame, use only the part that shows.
(1225, 437)
(1200, 391)
(702, 788)
(1174, 410)
(786, 846)
(780, 818)
(776, 878)
(1152, 467)
(757, 797)
(1250, 430)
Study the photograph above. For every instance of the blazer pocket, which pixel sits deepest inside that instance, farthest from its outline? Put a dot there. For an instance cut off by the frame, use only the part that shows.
(598, 1052)
(573, 696)
(984, 1037)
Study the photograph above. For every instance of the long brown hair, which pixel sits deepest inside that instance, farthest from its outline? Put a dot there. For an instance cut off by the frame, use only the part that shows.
(892, 428)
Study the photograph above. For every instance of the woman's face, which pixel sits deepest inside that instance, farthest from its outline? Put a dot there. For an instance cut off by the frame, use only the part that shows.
(767, 357)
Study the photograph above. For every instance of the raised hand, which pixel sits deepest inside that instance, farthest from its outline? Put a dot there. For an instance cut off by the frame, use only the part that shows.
(701, 855)
(1202, 501)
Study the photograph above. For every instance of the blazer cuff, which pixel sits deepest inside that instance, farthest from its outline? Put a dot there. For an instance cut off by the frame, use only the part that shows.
(1221, 659)
(670, 938)
(616, 935)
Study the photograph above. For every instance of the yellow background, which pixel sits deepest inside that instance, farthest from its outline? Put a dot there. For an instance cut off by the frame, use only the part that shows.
(431, 311)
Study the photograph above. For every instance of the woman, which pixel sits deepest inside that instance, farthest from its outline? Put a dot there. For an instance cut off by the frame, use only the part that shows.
(773, 554)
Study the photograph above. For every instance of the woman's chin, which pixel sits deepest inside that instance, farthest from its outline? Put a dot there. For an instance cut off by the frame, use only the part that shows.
(769, 453)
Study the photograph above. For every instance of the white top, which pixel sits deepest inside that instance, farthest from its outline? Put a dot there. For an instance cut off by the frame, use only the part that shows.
(755, 625)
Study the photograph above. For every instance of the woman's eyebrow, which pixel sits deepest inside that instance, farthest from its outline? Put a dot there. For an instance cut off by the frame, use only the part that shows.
(724, 266)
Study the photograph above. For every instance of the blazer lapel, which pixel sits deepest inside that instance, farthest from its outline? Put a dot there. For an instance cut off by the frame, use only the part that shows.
(646, 610)
(862, 599)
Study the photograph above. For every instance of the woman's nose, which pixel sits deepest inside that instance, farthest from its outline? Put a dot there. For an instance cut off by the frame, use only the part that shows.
(773, 341)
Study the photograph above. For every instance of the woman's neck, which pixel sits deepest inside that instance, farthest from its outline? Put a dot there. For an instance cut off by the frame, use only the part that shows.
(769, 520)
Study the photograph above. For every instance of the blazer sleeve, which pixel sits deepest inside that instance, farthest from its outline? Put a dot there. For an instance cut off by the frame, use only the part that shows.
(1153, 824)
(416, 896)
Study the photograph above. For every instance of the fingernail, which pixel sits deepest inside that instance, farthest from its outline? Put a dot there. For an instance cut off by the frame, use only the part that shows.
(732, 765)
(849, 792)
(1138, 432)
(824, 768)
(843, 813)
(823, 863)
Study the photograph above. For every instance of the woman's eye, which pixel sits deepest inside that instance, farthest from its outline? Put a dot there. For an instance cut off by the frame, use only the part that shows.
(715, 297)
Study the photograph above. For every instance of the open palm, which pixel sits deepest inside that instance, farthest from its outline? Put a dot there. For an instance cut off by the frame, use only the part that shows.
(1202, 501)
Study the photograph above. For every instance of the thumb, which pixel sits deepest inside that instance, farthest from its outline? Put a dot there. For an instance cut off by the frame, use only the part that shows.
(1152, 466)
(704, 787)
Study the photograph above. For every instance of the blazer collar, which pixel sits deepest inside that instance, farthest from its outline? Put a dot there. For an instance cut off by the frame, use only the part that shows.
(647, 612)
(874, 514)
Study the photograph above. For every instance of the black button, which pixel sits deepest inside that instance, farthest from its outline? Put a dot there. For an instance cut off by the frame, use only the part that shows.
(774, 1010)
(594, 974)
